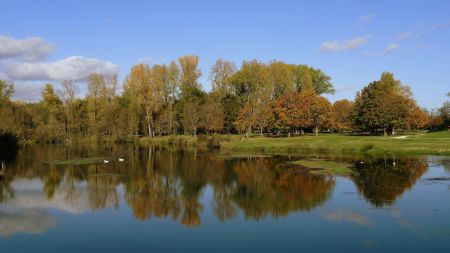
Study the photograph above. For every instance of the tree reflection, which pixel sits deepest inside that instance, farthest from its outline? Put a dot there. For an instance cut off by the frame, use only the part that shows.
(265, 190)
(158, 182)
(382, 181)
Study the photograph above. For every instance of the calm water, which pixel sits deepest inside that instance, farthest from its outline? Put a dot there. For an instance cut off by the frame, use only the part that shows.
(161, 200)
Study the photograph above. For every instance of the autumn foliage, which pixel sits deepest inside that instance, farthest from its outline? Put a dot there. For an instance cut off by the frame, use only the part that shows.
(273, 98)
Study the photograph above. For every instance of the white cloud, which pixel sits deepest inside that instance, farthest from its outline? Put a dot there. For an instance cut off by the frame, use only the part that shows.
(28, 49)
(31, 221)
(365, 18)
(407, 36)
(440, 26)
(3, 76)
(76, 68)
(391, 48)
(346, 45)
(28, 91)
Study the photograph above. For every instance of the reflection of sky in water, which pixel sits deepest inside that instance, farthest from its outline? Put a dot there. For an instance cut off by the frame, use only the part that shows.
(417, 221)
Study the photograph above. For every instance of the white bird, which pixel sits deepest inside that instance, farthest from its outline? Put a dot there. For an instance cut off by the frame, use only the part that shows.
(105, 161)
(393, 163)
(121, 159)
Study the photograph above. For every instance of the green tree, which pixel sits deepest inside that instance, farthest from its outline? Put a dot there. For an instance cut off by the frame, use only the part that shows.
(382, 105)
(52, 127)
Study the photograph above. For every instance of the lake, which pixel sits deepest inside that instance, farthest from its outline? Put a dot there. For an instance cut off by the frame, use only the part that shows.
(170, 200)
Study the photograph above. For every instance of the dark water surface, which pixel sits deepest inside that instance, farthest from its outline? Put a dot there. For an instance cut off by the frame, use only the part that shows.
(160, 200)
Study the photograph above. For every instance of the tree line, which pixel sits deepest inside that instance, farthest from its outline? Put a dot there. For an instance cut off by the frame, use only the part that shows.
(167, 99)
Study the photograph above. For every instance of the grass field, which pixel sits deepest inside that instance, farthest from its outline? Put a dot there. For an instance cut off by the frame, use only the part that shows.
(421, 143)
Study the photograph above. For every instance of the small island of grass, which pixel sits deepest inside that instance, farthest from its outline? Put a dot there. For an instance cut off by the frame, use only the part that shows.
(325, 167)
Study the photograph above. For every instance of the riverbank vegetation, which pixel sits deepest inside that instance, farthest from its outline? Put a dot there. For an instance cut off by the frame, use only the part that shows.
(166, 100)
(420, 143)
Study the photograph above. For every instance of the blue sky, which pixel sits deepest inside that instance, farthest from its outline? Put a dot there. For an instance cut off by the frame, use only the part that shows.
(352, 41)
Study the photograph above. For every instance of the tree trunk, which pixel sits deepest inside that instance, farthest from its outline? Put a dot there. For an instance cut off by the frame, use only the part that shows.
(393, 131)
(316, 130)
(150, 133)
(384, 132)
(261, 131)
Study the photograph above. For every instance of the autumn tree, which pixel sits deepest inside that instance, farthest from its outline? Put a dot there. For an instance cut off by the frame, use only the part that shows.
(220, 77)
(6, 91)
(320, 113)
(138, 77)
(253, 87)
(69, 96)
(190, 109)
(245, 119)
(341, 114)
(95, 83)
(252, 76)
(282, 78)
(189, 71)
(212, 116)
(172, 93)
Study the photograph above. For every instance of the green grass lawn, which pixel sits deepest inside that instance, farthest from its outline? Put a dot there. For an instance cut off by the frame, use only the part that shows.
(436, 143)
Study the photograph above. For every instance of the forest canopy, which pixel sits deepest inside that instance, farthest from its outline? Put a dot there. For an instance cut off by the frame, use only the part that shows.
(273, 98)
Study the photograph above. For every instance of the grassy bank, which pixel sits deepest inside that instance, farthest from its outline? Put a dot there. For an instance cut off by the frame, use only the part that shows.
(412, 143)
(437, 143)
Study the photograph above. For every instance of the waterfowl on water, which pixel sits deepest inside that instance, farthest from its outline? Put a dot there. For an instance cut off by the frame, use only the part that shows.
(105, 161)
(121, 159)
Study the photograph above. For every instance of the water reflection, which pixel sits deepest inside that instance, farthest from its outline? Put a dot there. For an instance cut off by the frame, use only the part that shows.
(157, 182)
(382, 181)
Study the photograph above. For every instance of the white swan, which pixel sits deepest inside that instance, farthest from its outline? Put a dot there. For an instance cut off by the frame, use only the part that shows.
(105, 161)
(121, 159)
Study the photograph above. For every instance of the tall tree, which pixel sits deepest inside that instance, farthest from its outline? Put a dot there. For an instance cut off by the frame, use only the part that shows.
(220, 77)
(190, 109)
(96, 82)
(52, 128)
(133, 96)
(69, 96)
(189, 71)
(282, 78)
